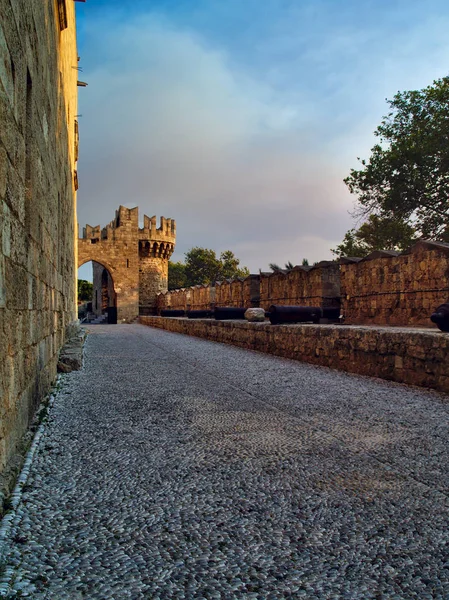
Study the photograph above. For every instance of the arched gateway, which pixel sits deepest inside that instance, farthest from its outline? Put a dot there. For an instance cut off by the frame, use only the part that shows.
(135, 260)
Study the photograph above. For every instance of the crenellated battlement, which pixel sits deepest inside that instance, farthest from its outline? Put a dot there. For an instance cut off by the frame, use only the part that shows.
(91, 233)
(160, 239)
(166, 232)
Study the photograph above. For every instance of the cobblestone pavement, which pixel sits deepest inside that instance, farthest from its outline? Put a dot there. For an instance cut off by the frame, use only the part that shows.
(173, 467)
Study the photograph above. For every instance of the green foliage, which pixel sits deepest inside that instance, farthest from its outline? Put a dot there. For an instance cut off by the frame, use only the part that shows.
(305, 262)
(177, 277)
(202, 266)
(230, 266)
(275, 267)
(85, 290)
(378, 233)
(407, 176)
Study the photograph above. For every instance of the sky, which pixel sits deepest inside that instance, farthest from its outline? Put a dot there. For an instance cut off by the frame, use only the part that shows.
(241, 118)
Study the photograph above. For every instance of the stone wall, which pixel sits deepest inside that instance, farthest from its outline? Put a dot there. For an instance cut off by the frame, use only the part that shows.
(201, 297)
(417, 357)
(38, 152)
(237, 293)
(384, 288)
(223, 293)
(251, 291)
(396, 289)
(303, 286)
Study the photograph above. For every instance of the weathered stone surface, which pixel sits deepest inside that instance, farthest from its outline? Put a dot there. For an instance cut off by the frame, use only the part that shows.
(38, 135)
(71, 354)
(412, 356)
(391, 289)
(255, 314)
(229, 293)
(302, 286)
(384, 288)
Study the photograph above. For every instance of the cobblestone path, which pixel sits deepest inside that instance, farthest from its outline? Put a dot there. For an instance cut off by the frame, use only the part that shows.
(172, 467)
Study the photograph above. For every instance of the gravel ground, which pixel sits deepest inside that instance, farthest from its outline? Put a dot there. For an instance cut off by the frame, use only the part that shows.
(172, 467)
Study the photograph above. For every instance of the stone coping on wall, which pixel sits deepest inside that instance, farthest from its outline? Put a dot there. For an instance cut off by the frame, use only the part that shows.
(403, 354)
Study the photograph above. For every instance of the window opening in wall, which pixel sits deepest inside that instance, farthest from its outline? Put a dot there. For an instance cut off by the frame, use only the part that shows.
(62, 14)
(127, 263)
(76, 140)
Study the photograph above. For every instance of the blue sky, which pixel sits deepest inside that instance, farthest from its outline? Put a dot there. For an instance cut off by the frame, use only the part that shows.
(241, 118)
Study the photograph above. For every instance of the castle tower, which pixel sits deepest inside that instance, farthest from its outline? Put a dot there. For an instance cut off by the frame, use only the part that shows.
(130, 264)
(156, 245)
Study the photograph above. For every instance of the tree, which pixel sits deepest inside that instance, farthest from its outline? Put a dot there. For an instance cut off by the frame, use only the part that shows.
(177, 277)
(305, 262)
(230, 266)
(378, 233)
(85, 290)
(407, 175)
(275, 267)
(203, 267)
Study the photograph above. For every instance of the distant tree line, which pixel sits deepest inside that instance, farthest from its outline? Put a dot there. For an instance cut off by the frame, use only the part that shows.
(202, 267)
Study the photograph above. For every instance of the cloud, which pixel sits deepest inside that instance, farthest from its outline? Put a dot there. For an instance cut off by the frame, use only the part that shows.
(246, 143)
(169, 126)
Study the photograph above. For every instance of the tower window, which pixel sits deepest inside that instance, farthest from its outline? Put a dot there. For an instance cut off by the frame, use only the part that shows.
(62, 14)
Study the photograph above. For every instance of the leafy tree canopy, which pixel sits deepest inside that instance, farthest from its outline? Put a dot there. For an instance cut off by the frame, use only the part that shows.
(202, 266)
(406, 177)
(85, 290)
(177, 277)
(378, 233)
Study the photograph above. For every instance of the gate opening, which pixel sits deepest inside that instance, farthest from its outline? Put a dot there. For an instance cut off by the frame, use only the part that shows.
(97, 299)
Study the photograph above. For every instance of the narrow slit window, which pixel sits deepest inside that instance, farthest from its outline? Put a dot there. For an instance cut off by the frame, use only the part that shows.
(62, 14)
(28, 136)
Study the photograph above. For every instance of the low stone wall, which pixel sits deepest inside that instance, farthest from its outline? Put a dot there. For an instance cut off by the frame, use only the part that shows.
(406, 355)
(200, 297)
(387, 288)
(302, 286)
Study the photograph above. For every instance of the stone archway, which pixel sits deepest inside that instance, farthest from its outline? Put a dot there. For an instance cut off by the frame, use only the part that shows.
(116, 283)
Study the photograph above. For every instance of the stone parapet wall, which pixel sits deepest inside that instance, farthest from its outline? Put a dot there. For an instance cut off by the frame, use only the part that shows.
(388, 288)
(302, 286)
(384, 288)
(234, 293)
(405, 355)
(38, 181)
(201, 297)
(223, 293)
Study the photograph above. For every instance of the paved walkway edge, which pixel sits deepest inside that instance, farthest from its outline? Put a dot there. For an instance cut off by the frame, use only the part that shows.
(10, 521)
(412, 356)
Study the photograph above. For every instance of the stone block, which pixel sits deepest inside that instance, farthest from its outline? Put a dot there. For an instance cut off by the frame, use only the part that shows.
(255, 315)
